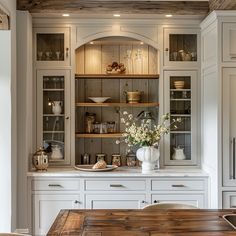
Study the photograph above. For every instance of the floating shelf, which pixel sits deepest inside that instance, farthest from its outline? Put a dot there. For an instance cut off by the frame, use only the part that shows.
(112, 135)
(116, 76)
(116, 104)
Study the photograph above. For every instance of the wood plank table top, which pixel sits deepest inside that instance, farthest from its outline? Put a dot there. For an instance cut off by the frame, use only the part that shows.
(142, 223)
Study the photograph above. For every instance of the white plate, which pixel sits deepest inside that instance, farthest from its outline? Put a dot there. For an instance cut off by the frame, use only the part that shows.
(99, 99)
(89, 168)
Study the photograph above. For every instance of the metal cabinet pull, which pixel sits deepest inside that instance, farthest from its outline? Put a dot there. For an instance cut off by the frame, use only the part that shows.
(166, 49)
(177, 185)
(67, 52)
(155, 201)
(143, 201)
(116, 185)
(77, 202)
(233, 158)
(55, 185)
(232, 206)
(233, 57)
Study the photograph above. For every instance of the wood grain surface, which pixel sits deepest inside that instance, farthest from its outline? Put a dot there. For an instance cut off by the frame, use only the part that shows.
(142, 223)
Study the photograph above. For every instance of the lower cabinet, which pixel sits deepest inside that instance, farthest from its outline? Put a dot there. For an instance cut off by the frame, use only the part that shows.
(46, 208)
(115, 201)
(229, 200)
(196, 200)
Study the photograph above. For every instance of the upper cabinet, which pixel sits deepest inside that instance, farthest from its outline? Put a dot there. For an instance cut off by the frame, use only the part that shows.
(181, 47)
(229, 39)
(52, 46)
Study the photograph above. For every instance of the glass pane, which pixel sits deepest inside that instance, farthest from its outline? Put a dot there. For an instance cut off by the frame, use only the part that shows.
(183, 47)
(180, 107)
(53, 116)
(50, 47)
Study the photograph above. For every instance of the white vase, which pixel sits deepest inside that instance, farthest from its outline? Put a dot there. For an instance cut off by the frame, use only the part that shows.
(148, 156)
(56, 107)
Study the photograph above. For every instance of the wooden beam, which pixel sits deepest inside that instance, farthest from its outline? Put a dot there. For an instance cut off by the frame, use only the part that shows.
(222, 5)
(124, 7)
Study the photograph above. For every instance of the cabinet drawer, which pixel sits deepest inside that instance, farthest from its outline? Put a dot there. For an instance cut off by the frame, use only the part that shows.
(115, 185)
(229, 200)
(55, 185)
(177, 185)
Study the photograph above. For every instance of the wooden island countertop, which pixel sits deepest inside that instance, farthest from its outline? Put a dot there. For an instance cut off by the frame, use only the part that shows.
(142, 223)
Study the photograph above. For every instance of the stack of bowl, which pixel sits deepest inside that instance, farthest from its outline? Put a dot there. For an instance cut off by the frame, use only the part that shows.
(179, 84)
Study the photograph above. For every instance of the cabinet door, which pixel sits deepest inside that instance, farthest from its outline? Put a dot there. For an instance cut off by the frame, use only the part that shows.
(47, 207)
(53, 114)
(229, 200)
(229, 39)
(229, 127)
(116, 201)
(196, 200)
(52, 46)
(181, 102)
(181, 47)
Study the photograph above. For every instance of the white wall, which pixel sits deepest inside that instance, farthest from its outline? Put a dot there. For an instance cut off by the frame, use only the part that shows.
(8, 118)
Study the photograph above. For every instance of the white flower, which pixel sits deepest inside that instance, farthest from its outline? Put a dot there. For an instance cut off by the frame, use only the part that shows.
(117, 141)
(125, 113)
(130, 116)
(122, 120)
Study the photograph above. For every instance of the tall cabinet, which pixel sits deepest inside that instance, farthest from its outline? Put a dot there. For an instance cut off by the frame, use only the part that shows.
(218, 106)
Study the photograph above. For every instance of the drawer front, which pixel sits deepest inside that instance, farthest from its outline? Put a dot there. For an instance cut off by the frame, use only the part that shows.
(229, 200)
(115, 185)
(177, 185)
(55, 185)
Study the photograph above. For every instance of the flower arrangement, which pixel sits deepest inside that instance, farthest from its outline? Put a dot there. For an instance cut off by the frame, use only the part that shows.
(142, 134)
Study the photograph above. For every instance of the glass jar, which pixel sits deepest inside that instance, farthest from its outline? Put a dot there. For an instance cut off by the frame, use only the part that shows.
(103, 128)
(96, 128)
(131, 159)
(116, 159)
(111, 127)
(100, 157)
(89, 120)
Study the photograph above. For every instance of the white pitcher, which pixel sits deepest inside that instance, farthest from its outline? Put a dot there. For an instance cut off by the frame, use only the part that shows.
(56, 107)
(178, 154)
(56, 152)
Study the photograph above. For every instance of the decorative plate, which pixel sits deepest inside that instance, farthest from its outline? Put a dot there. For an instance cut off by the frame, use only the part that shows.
(90, 168)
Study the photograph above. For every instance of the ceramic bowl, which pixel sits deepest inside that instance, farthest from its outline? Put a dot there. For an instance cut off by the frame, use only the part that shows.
(99, 99)
(179, 84)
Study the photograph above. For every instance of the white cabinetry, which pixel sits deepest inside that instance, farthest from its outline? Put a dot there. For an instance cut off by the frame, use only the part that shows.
(181, 102)
(229, 126)
(181, 47)
(46, 208)
(52, 46)
(229, 200)
(53, 114)
(229, 39)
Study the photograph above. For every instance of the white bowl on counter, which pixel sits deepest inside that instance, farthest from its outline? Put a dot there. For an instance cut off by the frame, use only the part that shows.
(99, 99)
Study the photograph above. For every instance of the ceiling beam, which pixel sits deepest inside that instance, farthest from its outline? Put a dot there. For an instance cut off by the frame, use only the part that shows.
(114, 6)
(222, 5)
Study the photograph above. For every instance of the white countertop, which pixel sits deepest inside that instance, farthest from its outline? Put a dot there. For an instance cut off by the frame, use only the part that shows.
(119, 172)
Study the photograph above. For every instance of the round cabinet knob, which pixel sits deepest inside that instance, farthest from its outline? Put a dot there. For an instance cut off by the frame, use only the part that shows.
(67, 118)
(155, 201)
(167, 49)
(77, 202)
(143, 201)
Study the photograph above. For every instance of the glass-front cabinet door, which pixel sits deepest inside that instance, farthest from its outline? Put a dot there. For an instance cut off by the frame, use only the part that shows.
(181, 47)
(52, 46)
(53, 114)
(181, 102)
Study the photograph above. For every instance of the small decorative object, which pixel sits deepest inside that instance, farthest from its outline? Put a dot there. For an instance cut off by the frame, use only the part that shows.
(101, 164)
(184, 94)
(129, 69)
(86, 159)
(90, 168)
(140, 134)
(40, 56)
(100, 156)
(56, 152)
(99, 99)
(178, 154)
(115, 68)
(56, 107)
(116, 159)
(58, 55)
(133, 97)
(131, 159)
(96, 127)
(40, 160)
(179, 84)
(103, 128)
(89, 120)
(111, 126)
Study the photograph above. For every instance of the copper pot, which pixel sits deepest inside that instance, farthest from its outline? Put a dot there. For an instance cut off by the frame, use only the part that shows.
(133, 97)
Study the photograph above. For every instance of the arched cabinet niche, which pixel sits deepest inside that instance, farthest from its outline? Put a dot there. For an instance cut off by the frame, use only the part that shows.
(94, 79)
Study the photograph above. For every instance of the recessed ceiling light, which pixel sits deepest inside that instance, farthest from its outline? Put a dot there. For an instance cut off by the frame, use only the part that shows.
(116, 15)
(65, 15)
(91, 42)
(141, 43)
(169, 15)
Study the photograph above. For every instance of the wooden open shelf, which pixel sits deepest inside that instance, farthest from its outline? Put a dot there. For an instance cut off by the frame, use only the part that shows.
(116, 104)
(116, 76)
(111, 135)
